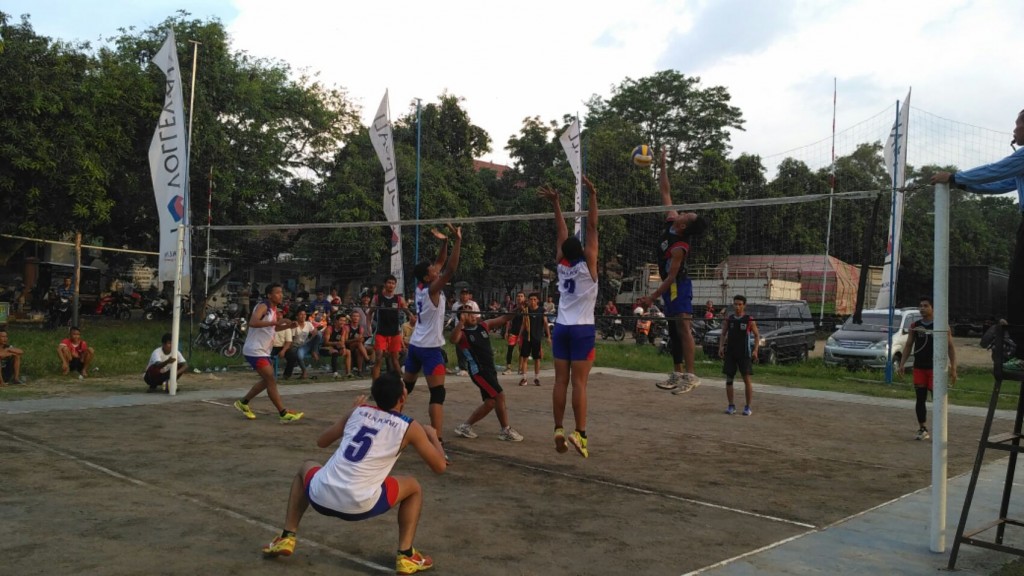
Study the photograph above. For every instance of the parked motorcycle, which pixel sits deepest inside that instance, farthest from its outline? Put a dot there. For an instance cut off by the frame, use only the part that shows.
(115, 305)
(60, 312)
(611, 327)
(220, 333)
(157, 308)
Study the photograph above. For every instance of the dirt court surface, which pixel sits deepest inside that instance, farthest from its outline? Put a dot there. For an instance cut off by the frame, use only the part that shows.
(187, 485)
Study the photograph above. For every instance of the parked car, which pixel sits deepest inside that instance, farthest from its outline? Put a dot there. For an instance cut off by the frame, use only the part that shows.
(866, 344)
(786, 328)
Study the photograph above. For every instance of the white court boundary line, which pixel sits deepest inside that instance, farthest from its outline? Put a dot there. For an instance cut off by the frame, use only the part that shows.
(205, 505)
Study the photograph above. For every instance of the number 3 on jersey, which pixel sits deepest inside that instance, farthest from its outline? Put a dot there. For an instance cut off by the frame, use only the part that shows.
(569, 286)
(360, 444)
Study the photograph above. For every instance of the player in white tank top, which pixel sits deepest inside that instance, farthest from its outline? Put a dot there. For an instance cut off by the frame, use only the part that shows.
(427, 340)
(572, 342)
(355, 484)
(260, 341)
(429, 330)
(577, 291)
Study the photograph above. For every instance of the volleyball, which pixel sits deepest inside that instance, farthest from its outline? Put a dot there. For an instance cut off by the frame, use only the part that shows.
(643, 155)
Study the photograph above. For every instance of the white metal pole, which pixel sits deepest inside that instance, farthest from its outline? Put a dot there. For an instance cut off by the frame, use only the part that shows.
(940, 341)
(172, 385)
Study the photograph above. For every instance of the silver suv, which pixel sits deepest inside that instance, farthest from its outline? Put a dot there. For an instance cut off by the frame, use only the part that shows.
(866, 344)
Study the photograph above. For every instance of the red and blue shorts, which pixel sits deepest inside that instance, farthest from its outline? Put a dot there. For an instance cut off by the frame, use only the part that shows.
(429, 360)
(388, 497)
(573, 342)
(257, 361)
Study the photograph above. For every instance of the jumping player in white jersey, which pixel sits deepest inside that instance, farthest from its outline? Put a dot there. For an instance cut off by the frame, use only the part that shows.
(572, 342)
(427, 338)
(259, 341)
(355, 484)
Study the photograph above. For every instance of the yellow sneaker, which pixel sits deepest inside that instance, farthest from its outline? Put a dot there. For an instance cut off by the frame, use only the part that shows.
(579, 443)
(413, 564)
(279, 547)
(244, 409)
(560, 445)
(290, 416)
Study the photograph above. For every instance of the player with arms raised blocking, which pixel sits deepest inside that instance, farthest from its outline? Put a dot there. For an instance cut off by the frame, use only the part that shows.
(427, 338)
(572, 342)
(355, 483)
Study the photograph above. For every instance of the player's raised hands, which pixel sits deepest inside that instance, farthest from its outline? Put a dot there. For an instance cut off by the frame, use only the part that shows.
(589, 186)
(456, 230)
(438, 234)
(548, 193)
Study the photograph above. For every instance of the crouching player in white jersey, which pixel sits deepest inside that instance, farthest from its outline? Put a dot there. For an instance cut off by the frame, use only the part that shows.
(355, 484)
(427, 338)
(572, 342)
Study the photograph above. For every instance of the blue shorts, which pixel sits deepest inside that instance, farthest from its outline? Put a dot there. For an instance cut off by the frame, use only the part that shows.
(429, 360)
(257, 361)
(388, 497)
(573, 343)
(679, 299)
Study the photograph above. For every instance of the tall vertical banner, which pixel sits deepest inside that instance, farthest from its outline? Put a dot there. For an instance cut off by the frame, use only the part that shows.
(570, 140)
(894, 155)
(167, 167)
(383, 143)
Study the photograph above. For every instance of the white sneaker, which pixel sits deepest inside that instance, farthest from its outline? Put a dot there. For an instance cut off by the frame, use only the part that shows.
(460, 373)
(671, 383)
(506, 372)
(336, 375)
(508, 434)
(465, 430)
(687, 383)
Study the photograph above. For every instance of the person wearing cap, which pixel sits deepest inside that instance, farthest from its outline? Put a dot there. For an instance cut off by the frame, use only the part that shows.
(158, 372)
(465, 304)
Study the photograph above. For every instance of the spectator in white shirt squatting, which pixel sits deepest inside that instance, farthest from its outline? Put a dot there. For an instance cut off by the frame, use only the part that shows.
(158, 372)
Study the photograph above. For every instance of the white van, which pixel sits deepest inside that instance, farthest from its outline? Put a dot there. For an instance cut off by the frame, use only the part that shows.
(866, 344)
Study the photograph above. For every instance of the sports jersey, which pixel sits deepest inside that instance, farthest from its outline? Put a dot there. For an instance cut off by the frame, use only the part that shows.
(387, 314)
(260, 341)
(429, 332)
(924, 353)
(577, 291)
(475, 347)
(351, 480)
(739, 330)
(669, 242)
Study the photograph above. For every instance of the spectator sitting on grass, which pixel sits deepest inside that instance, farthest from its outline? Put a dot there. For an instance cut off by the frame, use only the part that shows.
(10, 361)
(75, 354)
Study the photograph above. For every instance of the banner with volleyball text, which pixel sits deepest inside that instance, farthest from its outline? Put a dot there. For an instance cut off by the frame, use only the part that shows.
(570, 140)
(383, 144)
(894, 155)
(167, 166)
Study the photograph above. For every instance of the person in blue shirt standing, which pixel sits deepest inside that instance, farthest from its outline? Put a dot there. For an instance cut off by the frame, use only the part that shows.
(999, 177)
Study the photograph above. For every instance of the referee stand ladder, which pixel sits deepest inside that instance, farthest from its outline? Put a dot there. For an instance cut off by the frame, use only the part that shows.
(1008, 442)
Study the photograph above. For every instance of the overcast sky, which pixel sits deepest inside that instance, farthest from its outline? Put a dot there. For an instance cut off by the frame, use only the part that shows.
(512, 60)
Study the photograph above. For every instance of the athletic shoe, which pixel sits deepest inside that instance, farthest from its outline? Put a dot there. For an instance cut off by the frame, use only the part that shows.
(444, 451)
(506, 372)
(336, 375)
(244, 409)
(279, 547)
(671, 383)
(350, 375)
(413, 564)
(536, 381)
(731, 409)
(560, 445)
(579, 443)
(465, 430)
(522, 382)
(508, 434)
(460, 373)
(1013, 365)
(290, 416)
(747, 411)
(922, 433)
(687, 383)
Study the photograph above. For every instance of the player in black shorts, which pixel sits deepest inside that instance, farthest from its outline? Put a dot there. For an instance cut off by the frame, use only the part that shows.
(535, 329)
(739, 351)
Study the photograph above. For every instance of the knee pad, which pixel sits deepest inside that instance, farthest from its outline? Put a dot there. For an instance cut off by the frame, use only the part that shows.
(437, 394)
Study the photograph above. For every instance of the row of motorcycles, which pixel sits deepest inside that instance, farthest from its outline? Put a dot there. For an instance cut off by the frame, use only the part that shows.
(222, 331)
(649, 329)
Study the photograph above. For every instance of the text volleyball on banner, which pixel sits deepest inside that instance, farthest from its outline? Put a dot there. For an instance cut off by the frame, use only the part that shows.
(383, 144)
(570, 140)
(167, 165)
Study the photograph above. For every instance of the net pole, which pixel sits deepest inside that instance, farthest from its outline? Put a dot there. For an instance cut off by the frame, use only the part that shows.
(419, 125)
(828, 227)
(940, 342)
(172, 384)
